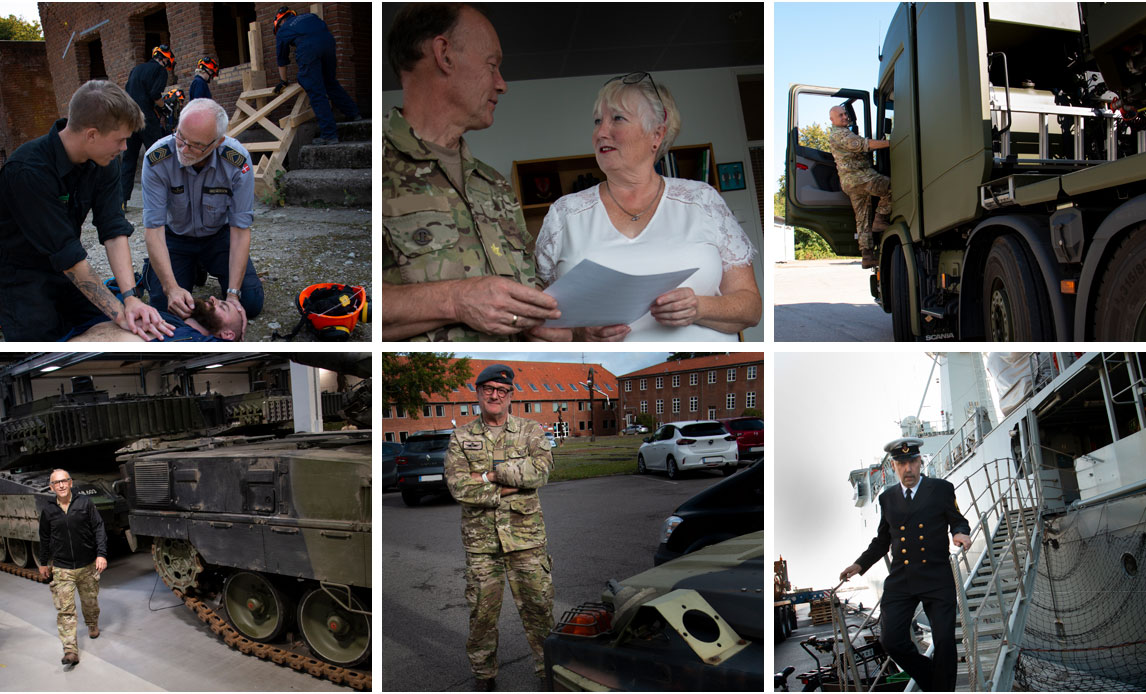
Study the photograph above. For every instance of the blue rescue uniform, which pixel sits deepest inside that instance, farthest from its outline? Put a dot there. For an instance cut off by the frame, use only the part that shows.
(44, 199)
(145, 84)
(183, 332)
(198, 209)
(314, 52)
(199, 88)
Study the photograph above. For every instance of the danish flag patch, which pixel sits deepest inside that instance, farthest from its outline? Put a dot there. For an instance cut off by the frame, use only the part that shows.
(246, 168)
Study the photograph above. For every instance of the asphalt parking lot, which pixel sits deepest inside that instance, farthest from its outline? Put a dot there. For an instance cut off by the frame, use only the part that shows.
(600, 528)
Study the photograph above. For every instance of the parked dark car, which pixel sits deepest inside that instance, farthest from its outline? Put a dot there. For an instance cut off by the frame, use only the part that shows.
(422, 465)
(390, 452)
(731, 507)
(749, 433)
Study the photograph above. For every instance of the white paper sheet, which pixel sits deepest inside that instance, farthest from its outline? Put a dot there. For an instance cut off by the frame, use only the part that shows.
(591, 295)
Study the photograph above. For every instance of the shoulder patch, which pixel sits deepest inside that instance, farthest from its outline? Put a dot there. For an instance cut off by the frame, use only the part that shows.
(234, 156)
(159, 154)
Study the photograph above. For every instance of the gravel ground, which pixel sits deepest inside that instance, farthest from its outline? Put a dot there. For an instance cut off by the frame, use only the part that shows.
(291, 247)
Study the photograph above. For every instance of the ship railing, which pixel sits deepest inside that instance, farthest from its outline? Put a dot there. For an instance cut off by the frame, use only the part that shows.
(960, 445)
(1002, 506)
(848, 662)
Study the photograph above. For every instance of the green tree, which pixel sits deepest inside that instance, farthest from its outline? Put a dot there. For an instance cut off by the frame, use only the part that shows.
(409, 379)
(809, 244)
(13, 28)
(646, 420)
(752, 412)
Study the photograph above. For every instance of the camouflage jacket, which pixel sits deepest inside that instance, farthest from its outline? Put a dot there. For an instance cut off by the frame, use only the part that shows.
(522, 458)
(430, 232)
(852, 155)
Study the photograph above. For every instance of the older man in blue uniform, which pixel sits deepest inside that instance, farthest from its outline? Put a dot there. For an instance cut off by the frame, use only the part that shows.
(198, 205)
(314, 52)
(915, 517)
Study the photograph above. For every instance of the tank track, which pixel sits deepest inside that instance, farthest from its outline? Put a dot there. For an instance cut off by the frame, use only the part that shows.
(30, 574)
(355, 679)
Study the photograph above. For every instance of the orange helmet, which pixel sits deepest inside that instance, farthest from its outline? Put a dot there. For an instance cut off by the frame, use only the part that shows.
(334, 309)
(281, 16)
(175, 94)
(209, 65)
(164, 51)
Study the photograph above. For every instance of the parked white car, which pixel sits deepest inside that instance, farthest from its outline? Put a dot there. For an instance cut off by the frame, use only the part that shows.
(691, 445)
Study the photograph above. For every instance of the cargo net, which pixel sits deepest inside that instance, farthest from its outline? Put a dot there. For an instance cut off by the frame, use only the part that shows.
(1086, 629)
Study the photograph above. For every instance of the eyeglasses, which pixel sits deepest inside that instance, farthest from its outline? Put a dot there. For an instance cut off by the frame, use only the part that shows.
(634, 78)
(193, 146)
(490, 391)
(63, 481)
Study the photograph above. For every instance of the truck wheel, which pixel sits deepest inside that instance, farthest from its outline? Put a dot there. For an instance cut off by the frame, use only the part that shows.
(1120, 310)
(1015, 305)
(900, 297)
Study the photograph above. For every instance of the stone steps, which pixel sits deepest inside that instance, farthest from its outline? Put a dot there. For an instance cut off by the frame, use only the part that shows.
(337, 175)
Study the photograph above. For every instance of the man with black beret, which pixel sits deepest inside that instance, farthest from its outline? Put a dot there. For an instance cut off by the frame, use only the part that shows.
(494, 467)
(915, 517)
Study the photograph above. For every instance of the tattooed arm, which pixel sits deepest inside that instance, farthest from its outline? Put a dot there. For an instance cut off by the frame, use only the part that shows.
(89, 284)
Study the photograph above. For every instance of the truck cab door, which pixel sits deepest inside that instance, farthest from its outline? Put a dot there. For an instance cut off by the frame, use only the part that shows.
(814, 199)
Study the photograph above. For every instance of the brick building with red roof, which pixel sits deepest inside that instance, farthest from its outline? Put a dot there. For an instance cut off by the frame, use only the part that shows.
(553, 394)
(713, 387)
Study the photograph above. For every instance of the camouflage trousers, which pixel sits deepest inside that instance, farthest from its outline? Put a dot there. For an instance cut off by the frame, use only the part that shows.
(531, 582)
(64, 584)
(860, 194)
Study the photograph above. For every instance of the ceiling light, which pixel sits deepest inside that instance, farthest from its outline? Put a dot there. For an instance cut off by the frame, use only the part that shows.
(48, 369)
(213, 366)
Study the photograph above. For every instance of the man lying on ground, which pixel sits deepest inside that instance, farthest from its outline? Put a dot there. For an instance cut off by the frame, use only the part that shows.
(210, 321)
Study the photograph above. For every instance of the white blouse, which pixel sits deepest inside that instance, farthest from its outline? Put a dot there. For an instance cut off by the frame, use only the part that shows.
(692, 227)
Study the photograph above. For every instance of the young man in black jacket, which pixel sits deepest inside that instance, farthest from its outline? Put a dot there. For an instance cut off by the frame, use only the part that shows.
(72, 538)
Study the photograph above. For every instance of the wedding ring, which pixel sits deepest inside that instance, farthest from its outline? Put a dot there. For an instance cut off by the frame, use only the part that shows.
(514, 321)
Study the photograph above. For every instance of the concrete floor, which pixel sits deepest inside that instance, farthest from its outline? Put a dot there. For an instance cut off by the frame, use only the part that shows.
(827, 301)
(149, 641)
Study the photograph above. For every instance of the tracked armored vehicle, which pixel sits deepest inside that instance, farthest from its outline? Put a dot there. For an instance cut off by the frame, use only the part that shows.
(275, 533)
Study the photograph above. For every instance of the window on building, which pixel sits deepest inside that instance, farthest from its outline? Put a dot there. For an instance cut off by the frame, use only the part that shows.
(572, 386)
(556, 407)
(425, 410)
(660, 382)
(660, 406)
(712, 377)
(546, 386)
(712, 413)
(750, 399)
(693, 378)
(608, 386)
(386, 412)
(535, 390)
(644, 384)
(471, 387)
(477, 409)
(527, 405)
(730, 401)
(580, 405)
(731, 375)
(560, 387)
(230, 22)
(402, 436)
(519, 388)
(388, 436)
(464, 410)
(564, 407)
(676, 405)
(750, 373)
(582, 423)
(96, 69)
(156, 31)
(628, 386)
(440, 410)
(676, 381)
(401, 413)
(644, 406)
(693, 403)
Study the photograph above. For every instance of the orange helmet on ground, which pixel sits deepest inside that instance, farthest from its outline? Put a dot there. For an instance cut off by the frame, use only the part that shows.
(282, 15)
(334, 309)
(164, 51)
(208, 65)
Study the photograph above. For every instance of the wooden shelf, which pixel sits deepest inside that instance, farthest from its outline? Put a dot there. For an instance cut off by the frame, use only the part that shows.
(539, 182)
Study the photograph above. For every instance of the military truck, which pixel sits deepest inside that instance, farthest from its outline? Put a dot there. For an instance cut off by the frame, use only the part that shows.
(1018, 171)
(695, 623)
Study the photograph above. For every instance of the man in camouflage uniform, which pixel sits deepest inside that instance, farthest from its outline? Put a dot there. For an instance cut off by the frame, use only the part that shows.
(456, 263)
(72, 538)
(859, 180)
(494, 467)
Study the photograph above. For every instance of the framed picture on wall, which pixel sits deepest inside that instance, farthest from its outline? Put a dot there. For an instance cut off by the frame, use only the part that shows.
(730, 176)
(541, 188)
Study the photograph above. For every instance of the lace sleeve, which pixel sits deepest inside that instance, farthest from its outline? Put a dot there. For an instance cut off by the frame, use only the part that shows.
(733, 244)
(547, 250)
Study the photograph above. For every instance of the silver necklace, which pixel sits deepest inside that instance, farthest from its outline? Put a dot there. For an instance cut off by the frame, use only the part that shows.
(635, 217)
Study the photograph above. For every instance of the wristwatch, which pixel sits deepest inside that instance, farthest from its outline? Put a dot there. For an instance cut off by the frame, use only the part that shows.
(129, 293)
(484, 478)
(237, 292)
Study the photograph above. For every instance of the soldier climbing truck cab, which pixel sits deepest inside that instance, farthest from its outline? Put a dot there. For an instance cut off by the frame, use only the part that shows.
(1017, 165)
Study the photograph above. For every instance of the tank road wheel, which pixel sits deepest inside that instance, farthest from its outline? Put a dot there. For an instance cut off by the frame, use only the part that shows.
(900, 297)
(3, 550)
(332, 632)
(1120, 309)
(177, 562)
(1015, 306)
(256, 608)
(36, 553)
(18, 553)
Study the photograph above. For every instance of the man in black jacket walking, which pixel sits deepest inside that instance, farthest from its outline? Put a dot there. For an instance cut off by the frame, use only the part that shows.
(915, 516)
(72, 538)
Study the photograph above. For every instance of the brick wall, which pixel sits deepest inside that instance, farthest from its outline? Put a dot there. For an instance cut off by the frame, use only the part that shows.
(711, 390)
(192, 36)
(26, 107)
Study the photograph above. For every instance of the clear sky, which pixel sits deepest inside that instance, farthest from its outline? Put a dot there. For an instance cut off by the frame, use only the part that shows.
(619, 363)
(833, 414)
(828, 45)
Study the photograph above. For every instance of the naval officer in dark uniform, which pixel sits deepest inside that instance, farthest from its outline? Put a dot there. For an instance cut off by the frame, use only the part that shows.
(915, 517)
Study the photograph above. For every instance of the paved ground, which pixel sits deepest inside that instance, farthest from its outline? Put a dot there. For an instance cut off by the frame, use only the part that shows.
(827, 301)
(598, 529)
(149, 641)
